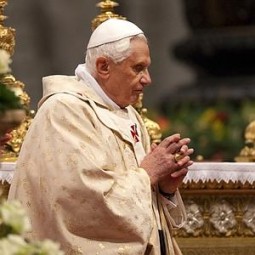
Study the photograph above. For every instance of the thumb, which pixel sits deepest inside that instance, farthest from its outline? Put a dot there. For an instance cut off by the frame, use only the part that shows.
(153, 146)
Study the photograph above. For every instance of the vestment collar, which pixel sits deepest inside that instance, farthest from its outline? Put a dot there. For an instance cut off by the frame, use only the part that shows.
(82, 74)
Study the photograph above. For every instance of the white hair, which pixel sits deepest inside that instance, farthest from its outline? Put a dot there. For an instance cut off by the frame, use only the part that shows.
(117, 51)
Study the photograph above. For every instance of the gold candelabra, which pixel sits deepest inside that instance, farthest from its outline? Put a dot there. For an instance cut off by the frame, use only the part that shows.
(247, 154)
(7, 42)
(107, 12)
(152, 127)
(7, 34)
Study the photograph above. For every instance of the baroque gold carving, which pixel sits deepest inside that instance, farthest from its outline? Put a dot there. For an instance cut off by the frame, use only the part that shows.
(212, 247)
(7, 42)
(152, 127)
(247, 154)
(218, 222)
(107, 12)
(218, 185)
(12, 148)
(7, 34)
(4, 190)
(219, 215)
(195, 222)
(222, 218)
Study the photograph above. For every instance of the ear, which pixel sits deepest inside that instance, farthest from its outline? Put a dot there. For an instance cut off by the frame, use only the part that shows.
(102, 66)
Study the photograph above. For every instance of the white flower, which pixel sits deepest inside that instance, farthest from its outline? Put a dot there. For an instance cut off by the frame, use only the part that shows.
(50, 248)
(13, 215)
(11, 245)
(14, 223)
(5, 61)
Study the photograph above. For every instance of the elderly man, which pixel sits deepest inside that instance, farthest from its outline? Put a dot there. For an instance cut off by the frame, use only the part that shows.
(87, 174)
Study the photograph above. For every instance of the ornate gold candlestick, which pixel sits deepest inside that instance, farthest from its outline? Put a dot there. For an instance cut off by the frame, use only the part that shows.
(247, 154)
(107, 12)
(152, 127)
(7, 42)
(7, 34)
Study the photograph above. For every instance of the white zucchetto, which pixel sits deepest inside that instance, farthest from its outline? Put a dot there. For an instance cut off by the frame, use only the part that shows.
(112, 30)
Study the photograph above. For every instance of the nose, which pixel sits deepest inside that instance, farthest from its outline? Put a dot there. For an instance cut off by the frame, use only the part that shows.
(146, 78)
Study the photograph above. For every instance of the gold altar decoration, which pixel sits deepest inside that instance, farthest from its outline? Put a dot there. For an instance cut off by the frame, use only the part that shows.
(7, 34)
(107, 12)
(7, 42)
(12, 147)
(153, 128)
(247, 154)
(220, 218)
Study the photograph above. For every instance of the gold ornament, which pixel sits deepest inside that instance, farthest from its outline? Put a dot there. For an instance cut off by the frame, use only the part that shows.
(152, 127)
(247, 154)
(11, 149)
(107, 12)
(7, 34)
(178, 156)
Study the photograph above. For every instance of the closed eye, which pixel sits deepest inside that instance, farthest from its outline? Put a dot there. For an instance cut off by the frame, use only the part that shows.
(139, 68)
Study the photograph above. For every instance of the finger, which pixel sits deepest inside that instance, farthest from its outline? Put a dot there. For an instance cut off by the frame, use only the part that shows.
(181, 173)
(190, 151)
(173, 148)
(153, 146)
(170, 139)
(184, 141)
(181, 146)
(184, 149)
(188, 164)
(183, 161)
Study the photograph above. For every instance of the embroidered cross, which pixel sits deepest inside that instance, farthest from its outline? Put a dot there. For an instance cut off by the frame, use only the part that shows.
(134, 133)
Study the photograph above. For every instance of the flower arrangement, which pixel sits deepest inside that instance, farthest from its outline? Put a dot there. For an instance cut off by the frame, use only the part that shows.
(13, 225)
(11, 109)
(216, 130)
(8, 99)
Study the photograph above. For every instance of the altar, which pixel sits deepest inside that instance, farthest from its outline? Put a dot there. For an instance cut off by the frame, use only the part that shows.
(6, 174)
(220, 202)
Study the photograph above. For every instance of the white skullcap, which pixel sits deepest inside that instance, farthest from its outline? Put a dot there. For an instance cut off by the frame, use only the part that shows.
(112, 30)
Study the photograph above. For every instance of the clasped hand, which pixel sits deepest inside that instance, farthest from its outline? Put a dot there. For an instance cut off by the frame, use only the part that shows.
(162, 166)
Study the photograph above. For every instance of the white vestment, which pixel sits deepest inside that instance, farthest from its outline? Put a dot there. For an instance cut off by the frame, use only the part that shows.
(78, 176)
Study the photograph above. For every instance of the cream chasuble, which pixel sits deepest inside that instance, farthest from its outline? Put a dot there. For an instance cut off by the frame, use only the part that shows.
(78, 176)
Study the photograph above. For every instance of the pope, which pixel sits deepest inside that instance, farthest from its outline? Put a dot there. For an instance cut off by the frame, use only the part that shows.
(87, 173)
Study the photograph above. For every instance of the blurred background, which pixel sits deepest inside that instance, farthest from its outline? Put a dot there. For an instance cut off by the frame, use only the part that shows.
(202, 68)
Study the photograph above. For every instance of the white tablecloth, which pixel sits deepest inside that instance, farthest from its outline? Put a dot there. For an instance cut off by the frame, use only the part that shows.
(226, 171)
(7, 171)
(205, 171)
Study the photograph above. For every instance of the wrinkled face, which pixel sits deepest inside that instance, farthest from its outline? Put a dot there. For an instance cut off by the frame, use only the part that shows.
(127, 79)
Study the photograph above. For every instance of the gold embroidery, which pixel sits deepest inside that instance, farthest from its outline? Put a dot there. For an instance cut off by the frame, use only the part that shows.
(101, 246)
(124, 250)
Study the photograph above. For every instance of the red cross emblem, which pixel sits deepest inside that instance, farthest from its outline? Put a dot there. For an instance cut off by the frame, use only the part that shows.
(134, 133)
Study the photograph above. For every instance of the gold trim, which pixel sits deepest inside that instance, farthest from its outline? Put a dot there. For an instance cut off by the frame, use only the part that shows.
(107, 12)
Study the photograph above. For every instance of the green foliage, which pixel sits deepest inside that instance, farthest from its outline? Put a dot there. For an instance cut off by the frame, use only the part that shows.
(8, 99)
(216, 130)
